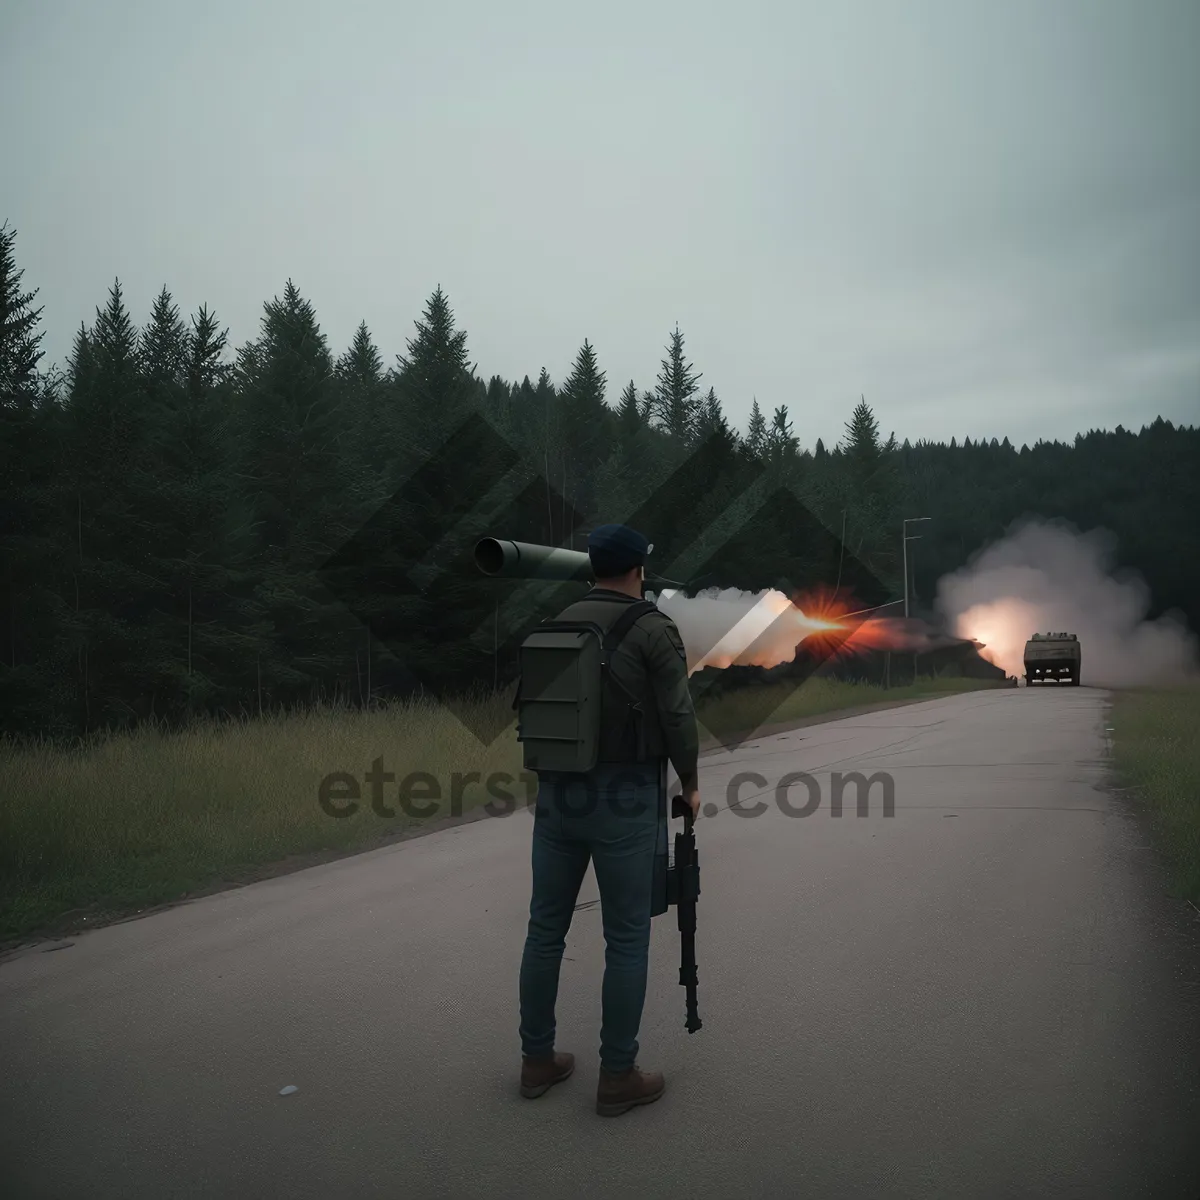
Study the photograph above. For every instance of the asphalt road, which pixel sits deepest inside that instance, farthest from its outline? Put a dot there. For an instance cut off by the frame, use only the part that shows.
(983, 995)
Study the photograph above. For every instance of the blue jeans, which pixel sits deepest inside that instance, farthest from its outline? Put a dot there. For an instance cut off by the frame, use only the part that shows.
(612, 818)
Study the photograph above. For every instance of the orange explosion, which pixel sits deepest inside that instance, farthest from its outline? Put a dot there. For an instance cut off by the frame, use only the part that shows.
(846, 629)
(1003, 627)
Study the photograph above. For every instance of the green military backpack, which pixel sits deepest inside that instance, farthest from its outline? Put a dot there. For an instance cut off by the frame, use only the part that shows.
(564, 681)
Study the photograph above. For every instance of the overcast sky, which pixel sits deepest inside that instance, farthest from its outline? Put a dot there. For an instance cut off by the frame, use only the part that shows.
(985, 217)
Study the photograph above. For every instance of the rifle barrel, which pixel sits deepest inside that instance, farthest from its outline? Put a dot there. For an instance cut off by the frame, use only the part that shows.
(687, 866)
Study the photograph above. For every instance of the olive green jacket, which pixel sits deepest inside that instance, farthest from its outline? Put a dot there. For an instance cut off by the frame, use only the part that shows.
(650, 663)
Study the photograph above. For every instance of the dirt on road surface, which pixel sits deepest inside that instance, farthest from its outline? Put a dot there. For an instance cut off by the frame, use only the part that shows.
(985, 994)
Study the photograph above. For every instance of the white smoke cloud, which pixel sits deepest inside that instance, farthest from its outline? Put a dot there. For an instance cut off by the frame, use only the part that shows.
(727, 626)
(1046, 576)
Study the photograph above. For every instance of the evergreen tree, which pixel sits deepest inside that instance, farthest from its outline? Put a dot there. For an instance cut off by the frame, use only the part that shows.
(868, 488)
(108, 586)
(362, 363)
(585, 385)
(674, 398)
(584, 423)
(161, 365)
(548, 450)
(435, 379)
(80, 362)
(862, 437)
(781, 444)
(497, 403)
(20, 340)
(376, 430)
(205, 542)
(623, 472)
(756, 433)
(163, 348)
(292, 425)
(630, 421)
(291, 430)
(715, 457)
(710, 420)
(525, 423)
(29, 697)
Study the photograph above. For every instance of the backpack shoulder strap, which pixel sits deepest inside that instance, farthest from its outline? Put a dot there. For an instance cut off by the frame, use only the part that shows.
(612, 639)
(625, 622)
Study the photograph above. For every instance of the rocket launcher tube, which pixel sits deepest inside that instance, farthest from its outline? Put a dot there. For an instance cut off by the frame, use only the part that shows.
(525, 560)
(504, 559)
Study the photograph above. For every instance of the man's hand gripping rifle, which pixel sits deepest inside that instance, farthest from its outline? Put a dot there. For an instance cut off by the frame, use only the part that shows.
(683, 889)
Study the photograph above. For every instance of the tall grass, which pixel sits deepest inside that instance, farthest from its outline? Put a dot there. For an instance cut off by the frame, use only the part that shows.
(1156, 750)
(137, 819)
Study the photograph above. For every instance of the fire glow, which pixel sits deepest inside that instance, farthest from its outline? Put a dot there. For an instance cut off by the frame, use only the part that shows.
(1003, 626)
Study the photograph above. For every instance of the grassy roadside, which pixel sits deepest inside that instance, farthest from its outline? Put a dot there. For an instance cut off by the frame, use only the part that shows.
(1156, 752)
(135, 821)
(142, 819)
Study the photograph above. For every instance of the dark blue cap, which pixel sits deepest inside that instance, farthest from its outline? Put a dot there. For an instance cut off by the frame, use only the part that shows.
(615, 549)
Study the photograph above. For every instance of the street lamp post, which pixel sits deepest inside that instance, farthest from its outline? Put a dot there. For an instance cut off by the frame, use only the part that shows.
(909, 537)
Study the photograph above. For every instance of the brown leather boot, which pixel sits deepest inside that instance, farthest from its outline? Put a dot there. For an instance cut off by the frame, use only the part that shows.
(539, 1075)
(618, 1093)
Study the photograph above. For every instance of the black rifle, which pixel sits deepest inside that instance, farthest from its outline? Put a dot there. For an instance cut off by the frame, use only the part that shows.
(683, 889)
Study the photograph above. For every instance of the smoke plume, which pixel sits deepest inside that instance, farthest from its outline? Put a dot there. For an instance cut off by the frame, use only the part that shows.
(1046, 576)
(722, 627)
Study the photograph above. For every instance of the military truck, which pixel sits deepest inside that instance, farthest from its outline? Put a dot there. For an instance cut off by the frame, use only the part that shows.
(1052, 657)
